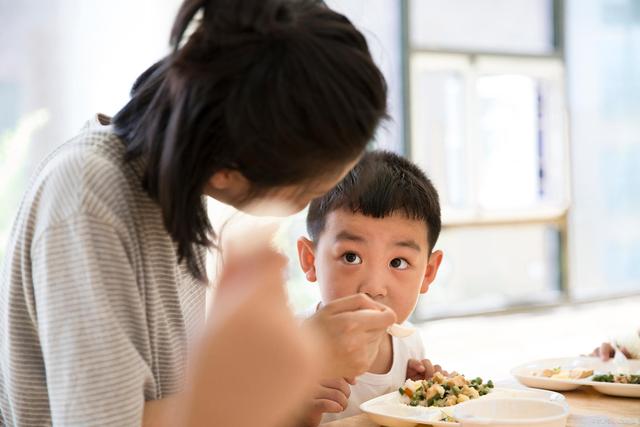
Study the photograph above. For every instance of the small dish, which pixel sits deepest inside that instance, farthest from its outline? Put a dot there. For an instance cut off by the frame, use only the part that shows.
(386, 410)
(511, 412)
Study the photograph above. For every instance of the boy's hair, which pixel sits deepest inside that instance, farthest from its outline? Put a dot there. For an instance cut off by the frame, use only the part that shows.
(279, 90)
(379, 185)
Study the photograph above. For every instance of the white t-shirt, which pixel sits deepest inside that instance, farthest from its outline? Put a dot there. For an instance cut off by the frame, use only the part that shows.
(370, 385)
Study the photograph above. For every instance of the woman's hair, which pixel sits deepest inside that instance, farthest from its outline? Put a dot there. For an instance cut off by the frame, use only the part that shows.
(282, 91)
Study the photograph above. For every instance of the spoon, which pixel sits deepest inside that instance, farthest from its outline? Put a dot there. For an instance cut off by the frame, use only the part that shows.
(400, 331)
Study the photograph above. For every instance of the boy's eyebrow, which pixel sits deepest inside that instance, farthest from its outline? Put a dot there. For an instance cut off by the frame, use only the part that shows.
(408, 244)
(345, 235)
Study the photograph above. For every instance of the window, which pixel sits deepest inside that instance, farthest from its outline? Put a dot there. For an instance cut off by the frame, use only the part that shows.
(490, 132)
(490, 267)
(487, 122)
(603, 64)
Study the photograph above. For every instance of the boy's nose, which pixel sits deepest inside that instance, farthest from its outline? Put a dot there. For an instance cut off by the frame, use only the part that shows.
(374, 287)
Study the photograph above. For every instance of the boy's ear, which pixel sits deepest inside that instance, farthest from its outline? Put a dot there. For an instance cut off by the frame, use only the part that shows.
(432, 269)
(307, 258)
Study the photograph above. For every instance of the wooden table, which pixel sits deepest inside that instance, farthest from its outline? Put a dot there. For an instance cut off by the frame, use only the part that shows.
(588, 408)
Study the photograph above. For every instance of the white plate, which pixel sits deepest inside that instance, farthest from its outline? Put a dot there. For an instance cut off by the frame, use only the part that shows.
(524, 374)
(386, 410)
(614, 389)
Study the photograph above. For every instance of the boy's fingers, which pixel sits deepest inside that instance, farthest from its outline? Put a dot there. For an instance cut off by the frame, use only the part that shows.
(374, 320)
(353, 303)
(438, 368)
(369, 320)
(416, 365)
(326, 393)
(428, 368)
(339, 384)
(351, 380)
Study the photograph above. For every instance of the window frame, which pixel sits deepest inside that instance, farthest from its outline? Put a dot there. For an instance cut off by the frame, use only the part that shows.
(557, 217)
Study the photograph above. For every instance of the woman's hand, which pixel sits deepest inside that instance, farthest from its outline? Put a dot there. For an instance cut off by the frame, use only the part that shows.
(351, 328)
(253, 365)
(606, 351)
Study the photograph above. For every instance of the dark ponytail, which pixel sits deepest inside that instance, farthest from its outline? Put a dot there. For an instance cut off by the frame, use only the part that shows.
(280, 90)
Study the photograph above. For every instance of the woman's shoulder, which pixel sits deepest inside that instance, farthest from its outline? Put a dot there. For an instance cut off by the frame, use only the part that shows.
(86, 175)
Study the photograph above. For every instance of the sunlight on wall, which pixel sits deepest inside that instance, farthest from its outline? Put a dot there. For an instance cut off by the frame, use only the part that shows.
(14, 147)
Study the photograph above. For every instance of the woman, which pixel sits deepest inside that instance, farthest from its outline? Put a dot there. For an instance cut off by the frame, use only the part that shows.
(104, 282)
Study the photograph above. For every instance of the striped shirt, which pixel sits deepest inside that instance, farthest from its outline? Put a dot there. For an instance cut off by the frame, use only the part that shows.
(95, 311)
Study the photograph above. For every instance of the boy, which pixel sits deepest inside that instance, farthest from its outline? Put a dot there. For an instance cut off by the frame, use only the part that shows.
(374, 234)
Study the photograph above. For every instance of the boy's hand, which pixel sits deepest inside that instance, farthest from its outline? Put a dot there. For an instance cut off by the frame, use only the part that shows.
(352, 328)
(330, 396)
(422, 369)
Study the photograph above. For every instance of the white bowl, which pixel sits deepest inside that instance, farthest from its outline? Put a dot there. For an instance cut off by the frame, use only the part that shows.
(511, 412)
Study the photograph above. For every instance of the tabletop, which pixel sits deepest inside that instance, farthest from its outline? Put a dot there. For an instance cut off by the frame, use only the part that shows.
(588, 408)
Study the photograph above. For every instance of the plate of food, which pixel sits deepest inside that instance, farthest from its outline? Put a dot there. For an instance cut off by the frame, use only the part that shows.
(434, 401)
(626, 385)
(612, 377)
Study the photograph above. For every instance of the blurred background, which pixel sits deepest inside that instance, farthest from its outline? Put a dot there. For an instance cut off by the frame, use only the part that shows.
(525, 113)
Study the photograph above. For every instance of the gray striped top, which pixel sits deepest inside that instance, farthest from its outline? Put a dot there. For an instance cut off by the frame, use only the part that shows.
(95, 311)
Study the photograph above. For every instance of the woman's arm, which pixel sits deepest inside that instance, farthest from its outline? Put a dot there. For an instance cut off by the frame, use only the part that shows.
(91, 325)
(163, 412)
(253, 366)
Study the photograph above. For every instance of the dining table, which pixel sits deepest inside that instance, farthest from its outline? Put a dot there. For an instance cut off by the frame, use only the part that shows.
(587, 408)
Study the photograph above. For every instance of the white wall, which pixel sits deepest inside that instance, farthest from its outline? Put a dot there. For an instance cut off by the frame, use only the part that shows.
(62, 61)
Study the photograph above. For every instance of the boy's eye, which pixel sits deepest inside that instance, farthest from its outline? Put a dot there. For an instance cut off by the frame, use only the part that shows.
(399, 263)
(351, 258)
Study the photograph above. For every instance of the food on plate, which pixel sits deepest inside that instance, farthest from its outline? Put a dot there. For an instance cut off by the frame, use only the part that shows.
(617, 378)
(565, 374)
(442, 391)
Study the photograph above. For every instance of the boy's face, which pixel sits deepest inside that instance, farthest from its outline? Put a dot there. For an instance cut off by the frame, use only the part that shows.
(385, 258)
